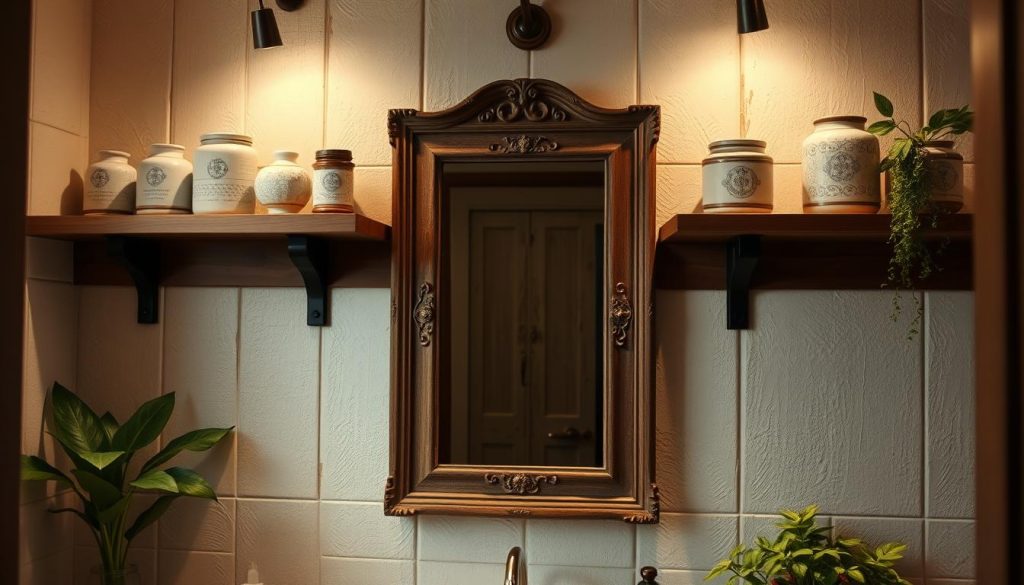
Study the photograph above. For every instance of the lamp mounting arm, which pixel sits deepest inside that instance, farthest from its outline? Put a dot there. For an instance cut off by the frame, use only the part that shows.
(528, 26)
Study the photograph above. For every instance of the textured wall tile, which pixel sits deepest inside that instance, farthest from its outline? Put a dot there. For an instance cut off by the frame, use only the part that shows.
(285, 95)
(679, 191)
(132, 49)
(677, 577)
(363, 531)
(434, 573)
(947, 60)
(210, 40)
(449, 538)
(823, 58)
(689, 64)
(282, 537)
(118, 359)
(47, 259)
(373, 192)
(278, 396)
(876, 531)
(789, 189)
(823, 375)
(354, 408)
(606, 36)
(190, 568)
(697, 398)
(88, 558)
(753, 526)
(950, 549)
(43, 534)
(686, 541)
(57, 163)
(201, 367)
(61, 49)
(466, 48)
(373, 65)
(335, 571)
(950, 400)
(199, 525)
(56, 569)
(595, 543)
(557, 575)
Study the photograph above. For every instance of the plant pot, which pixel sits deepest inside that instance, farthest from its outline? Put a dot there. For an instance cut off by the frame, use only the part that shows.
(128, 576)
(944, 176)
(283, 186)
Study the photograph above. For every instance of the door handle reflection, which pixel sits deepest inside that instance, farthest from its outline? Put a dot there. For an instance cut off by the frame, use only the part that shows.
(570, 434)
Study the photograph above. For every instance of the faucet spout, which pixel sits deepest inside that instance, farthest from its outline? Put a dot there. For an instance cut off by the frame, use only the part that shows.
(515, 567)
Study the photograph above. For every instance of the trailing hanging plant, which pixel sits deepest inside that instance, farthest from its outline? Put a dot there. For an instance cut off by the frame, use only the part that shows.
(803, 553)
(100, 450)
(912, 260)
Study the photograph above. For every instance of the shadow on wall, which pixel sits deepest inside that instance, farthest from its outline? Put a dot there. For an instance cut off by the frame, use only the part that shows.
(71, 197)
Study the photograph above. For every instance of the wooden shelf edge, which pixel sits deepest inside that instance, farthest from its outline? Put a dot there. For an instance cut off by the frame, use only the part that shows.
(330, 226)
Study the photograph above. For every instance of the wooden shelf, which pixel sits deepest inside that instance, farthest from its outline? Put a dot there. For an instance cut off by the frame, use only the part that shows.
(737, 253)
(338, 226)
(315, 251)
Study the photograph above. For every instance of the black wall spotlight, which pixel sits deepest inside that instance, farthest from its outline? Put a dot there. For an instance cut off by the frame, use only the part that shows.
(529, 26)
(751, 16)
(265, 33)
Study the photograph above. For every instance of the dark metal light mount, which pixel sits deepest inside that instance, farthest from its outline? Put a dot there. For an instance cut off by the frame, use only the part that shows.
(265, 34)
(290, 5)
(529, 26)
(751, 16)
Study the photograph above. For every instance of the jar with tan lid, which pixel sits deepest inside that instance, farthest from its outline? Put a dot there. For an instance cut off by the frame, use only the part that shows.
(840, 167)
(225, 174)
(737, 177)
(944, 175)
(332, 182)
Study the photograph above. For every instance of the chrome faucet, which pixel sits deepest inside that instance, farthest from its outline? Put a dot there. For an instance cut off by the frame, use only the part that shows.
(515, 567)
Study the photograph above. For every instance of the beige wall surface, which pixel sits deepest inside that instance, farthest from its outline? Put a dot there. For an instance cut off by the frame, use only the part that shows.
(823, 400)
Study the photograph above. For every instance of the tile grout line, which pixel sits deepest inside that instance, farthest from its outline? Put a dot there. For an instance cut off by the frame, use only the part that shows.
(423, 54)
(925, 432)
(238, 416)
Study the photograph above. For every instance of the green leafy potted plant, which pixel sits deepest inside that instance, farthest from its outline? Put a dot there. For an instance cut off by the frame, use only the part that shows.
(805, 554)
(910, 193)
(100, 450)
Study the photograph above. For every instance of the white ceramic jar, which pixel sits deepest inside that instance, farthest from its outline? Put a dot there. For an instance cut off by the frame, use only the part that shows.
(283, 186)
(165, 184)
(944, 175)
(110, 185)
(737, 177)
(840, 167)
(225, 174)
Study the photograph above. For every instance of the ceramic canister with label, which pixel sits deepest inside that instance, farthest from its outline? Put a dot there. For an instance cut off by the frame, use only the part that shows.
(737, 177)
(944, 175)
(332, 182)
(225, 174)
(165, 182)
(840, 167)
(110, 185)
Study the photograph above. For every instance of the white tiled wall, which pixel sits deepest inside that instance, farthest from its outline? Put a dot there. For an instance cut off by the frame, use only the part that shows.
(823, 400)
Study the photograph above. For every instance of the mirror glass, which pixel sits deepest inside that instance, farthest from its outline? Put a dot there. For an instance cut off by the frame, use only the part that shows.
(525, 383)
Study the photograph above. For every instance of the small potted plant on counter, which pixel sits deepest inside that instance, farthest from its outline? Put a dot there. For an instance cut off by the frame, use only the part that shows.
(805, 554)
(100, 450)
(925, 177)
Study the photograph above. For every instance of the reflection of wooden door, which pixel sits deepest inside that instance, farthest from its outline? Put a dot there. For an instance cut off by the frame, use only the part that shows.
(535, 395)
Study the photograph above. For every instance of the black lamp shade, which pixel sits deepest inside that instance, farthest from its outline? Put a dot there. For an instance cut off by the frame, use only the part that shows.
(751, 15)
(265, 33)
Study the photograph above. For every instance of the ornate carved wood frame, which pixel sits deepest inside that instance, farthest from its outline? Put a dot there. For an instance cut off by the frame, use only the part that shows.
(514, 121)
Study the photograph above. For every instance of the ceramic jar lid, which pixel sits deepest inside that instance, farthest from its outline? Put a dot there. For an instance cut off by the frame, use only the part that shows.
(847, 119)
(225, 137)
(334, 154)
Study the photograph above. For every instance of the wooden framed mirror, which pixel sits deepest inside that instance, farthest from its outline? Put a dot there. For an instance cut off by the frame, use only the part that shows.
(523, 251)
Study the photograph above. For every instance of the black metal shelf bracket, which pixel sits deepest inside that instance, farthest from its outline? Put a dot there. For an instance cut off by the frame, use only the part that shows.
(741, 256)
(310, 255)
(141, 257)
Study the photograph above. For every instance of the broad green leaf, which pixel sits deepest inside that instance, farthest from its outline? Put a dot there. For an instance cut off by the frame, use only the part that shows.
(103, 493)
(804, 552)
(156, 480)
(191, 483)
(199, 440)
(883, 105)
(109, 425)
(85, 518)
(114, 512)
(882, 127)
(938, 119)
(75, 424)
(35, 469)
(150, 515)
(145, 425)
(101, 459)
(856, 575)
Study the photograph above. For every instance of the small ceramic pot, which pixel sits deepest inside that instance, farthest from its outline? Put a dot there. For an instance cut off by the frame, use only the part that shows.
(944, 175)
(225, 173)
(332, 182)
(110, 185)
(840, 167)
(283, 186)
(737, 177)
(166, 182)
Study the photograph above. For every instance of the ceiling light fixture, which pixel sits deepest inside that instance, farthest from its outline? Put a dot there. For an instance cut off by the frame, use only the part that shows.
(265, 33)
(751, 16)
